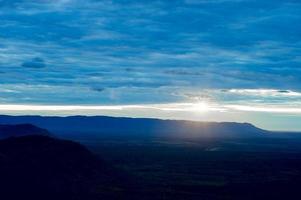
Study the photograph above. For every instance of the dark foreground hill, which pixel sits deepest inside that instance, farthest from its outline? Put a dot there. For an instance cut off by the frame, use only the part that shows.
(99, 126)
(39, 167)
(21, 130)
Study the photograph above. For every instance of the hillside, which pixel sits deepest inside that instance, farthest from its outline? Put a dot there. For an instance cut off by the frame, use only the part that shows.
(40, 167)
(21, 130)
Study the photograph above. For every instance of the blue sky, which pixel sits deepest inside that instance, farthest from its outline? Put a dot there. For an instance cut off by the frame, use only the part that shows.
(212, 60)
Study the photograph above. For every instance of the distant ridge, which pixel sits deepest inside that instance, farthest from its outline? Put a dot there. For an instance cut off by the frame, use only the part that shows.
(101, 126)
(21, 130)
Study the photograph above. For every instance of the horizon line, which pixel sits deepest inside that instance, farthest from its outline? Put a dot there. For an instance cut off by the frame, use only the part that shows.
(149, 118)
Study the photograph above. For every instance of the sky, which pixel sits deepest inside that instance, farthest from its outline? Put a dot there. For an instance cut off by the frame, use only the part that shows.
(206, 60)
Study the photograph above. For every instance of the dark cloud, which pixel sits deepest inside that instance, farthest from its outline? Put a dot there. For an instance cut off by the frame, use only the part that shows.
(8, 3)
(218, 44)
(95, 74)
(34, 63)
(128, 69)
(98, 89)
(283, 91)
(185, 72)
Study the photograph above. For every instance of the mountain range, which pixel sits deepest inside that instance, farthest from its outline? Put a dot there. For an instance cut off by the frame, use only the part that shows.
(36, 164)
(103, 126)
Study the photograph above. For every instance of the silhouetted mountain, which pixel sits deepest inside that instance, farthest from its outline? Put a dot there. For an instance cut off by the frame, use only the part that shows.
(40, 167)
(21, 130)
(114, 126)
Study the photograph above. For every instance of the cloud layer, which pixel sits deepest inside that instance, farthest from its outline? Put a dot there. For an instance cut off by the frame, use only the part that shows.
(116, 52)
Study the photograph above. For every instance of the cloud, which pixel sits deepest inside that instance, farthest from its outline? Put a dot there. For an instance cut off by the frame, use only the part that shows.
(264, 92)
(213, 1)
(98, 89)
(266, 109)
(182, 107)
(155, 52)
(34, 63)
(198, 107)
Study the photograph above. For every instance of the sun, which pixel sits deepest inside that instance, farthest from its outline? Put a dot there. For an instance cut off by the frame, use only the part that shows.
(200, 107)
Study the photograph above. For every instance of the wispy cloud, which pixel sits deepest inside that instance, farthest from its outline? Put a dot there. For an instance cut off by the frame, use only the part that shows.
(267, 109)
(213, 1)
(198, 107)
(265, 92)
(157, 52)
(34, 63)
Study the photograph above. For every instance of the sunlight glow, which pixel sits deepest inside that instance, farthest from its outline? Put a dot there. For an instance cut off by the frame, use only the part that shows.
(198, 107)
(201, 107)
